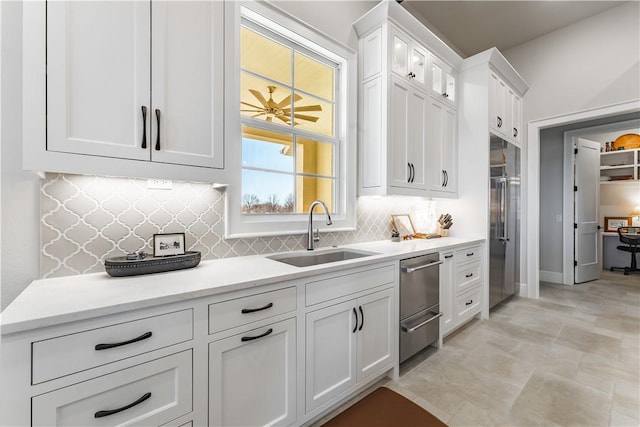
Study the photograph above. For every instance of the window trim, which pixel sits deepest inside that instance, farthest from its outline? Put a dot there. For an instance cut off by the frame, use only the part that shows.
(238, 225)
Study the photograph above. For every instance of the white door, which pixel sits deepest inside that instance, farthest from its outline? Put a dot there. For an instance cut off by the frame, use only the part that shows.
(252, 382)
(400, 168)
(187, 83)
(435, 171)
(375, 333)
(330, 350)
(98, 78)
(586, 211)
(418, 134)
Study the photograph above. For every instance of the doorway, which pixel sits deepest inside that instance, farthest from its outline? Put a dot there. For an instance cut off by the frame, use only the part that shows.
(535, 222)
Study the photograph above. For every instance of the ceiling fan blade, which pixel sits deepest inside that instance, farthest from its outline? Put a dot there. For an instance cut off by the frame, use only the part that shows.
(286, 101)
(305, 108)
(252, 111)
(287, 120)
(258, 115)
(250, 105)
(259, 97)
(304, 117)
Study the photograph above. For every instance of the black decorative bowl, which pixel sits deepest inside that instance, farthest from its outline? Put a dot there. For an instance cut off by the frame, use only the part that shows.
(121, 266)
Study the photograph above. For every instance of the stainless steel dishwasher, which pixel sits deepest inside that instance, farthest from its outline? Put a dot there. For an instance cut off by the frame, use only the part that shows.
(419, 303)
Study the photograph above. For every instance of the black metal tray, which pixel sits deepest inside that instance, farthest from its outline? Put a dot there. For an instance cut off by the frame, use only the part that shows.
(121, 266)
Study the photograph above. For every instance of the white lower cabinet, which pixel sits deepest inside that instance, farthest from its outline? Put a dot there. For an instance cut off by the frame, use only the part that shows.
(152, 393)
(346, 343)
(461, 287)
(252, 377)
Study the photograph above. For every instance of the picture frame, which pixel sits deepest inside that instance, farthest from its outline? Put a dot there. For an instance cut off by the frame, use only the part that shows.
(611, 223)
(403, 224)
(168, 244)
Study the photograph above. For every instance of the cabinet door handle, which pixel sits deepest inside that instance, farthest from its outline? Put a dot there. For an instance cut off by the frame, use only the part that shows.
(253, 310)
(442, 185)
(446, 178)
(499, 122)
(118, 344)
(355, 327)
(413, 172)
(106, 413)
(144, 127)
(361, 318)
(158, 134)
(470, 254)
(515, 132)
(469, 302)
(257, 336)
(468, 275)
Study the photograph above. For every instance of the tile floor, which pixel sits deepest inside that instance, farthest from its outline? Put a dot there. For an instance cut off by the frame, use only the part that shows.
(571, 358)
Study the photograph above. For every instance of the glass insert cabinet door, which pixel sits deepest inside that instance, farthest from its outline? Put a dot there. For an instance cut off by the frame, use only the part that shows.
(399, 56)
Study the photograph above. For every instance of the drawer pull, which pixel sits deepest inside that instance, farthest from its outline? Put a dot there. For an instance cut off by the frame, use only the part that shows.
(469, 302)
(253, 310)
(421, 324)
(256, 337)
(470, 254)
(118, 344)
(101, 414)
(468, 275)
(448, 256)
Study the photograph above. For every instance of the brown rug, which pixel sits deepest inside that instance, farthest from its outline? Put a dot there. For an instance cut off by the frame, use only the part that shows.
(384, 408)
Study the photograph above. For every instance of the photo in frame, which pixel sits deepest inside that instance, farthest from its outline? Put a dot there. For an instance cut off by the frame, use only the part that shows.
(403, 224)
(168, 244)
(611, 223)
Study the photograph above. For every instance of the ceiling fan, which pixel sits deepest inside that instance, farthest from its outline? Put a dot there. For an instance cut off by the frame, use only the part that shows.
(280, 110)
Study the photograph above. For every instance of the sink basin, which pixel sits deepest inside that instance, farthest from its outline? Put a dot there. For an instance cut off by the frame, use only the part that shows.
(309, 258)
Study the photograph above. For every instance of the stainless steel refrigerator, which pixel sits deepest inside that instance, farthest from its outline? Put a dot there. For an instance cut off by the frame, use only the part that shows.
(504, 218)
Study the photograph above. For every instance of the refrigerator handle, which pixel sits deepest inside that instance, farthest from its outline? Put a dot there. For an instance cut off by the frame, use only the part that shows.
(504, 208)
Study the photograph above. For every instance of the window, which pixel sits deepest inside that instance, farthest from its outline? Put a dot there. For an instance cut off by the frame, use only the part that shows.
(288, 114)
(293, 143)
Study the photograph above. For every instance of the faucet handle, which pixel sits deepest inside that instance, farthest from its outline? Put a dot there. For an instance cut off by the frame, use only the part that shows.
(316, 235)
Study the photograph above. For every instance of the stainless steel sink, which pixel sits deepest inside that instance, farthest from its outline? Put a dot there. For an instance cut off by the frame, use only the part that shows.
(309, 258)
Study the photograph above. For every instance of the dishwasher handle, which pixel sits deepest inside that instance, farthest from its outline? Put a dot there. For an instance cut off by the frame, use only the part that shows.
(420, 267)
(421, 324)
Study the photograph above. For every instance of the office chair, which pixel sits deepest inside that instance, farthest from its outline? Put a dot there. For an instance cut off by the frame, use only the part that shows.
(631, 237)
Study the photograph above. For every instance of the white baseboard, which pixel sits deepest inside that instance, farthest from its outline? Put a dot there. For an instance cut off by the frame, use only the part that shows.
(551, 276)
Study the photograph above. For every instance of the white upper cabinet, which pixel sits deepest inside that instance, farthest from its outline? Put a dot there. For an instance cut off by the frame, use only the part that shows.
(443, 81)
(98, 60)
(505, 109)
(408, 58)
(406, 147)
(187, 83)
(125, 88)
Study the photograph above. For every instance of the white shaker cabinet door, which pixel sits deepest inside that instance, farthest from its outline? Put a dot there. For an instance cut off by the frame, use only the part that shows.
(252, 377)
(330, 353)
(375, 347)
(188, 83)
(98, 82)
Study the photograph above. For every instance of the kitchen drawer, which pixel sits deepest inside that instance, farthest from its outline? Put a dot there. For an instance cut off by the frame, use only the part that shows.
(241, 311)
(467, 276)
(468, 304)
(161, 390)
(463, 256)
(64, 355)
(349, 283)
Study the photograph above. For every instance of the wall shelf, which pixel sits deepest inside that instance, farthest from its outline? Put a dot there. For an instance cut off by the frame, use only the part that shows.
(615, 165)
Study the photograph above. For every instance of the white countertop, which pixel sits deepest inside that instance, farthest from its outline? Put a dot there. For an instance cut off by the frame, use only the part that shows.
(49, 302)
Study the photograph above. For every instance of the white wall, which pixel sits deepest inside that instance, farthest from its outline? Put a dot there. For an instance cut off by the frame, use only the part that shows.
(19, 190)
(592, 63)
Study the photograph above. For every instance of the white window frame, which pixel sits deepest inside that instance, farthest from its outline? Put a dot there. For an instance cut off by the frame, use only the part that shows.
(237, 224)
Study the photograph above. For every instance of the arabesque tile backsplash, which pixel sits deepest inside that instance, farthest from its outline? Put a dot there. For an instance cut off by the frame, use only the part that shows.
(85, 219)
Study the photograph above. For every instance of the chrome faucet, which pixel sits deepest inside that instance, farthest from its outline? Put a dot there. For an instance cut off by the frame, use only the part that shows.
(311, 237)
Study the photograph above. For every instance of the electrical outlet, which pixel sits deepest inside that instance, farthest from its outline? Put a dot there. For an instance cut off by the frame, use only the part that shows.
(160, 184)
